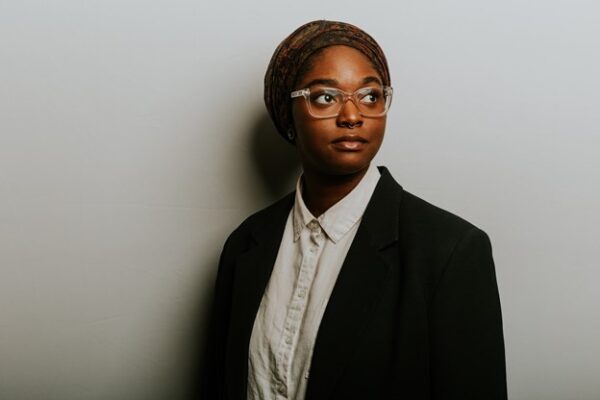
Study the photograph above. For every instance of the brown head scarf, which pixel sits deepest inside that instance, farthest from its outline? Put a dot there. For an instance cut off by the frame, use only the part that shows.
(292, 53)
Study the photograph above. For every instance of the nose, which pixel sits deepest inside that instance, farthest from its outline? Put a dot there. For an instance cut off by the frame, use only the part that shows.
(349, 115)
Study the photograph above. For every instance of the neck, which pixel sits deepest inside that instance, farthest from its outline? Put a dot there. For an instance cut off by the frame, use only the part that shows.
(321, 191)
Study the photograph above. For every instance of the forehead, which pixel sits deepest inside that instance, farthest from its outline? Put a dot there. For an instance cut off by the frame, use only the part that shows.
(344, 64)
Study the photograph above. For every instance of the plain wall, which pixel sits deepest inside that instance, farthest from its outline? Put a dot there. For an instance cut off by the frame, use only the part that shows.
(133, 139)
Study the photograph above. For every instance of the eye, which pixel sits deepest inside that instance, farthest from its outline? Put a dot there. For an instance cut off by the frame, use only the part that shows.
(324, 97)
(370, 96)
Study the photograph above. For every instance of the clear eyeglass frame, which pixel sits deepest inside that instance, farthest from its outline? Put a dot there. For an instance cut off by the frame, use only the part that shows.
(356, 97)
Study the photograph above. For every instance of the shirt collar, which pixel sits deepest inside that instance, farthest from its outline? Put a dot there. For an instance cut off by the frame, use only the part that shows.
(343, 215)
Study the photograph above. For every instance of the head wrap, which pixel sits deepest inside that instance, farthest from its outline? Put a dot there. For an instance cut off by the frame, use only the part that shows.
(294, 50)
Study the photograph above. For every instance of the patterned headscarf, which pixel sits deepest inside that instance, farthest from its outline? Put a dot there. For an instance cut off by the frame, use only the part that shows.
(292, 53)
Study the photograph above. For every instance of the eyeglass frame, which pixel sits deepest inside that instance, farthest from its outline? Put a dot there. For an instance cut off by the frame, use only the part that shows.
(388, 91)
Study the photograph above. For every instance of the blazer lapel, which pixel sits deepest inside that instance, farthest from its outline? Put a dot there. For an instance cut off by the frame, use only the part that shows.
(357, 290)
(252, 272)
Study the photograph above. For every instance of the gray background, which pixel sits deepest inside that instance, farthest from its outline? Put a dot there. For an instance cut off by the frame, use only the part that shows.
(134, 139)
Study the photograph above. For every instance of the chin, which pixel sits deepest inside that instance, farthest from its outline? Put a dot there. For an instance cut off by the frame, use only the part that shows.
(347, 168)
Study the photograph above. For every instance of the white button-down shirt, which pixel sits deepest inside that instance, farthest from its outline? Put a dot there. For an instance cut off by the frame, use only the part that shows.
(310, 257)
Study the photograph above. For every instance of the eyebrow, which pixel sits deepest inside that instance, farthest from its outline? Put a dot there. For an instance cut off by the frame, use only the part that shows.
(334, 82)
(370, 79)
(330, 82)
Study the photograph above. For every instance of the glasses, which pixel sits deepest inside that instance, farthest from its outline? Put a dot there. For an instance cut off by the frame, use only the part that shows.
(371, 102)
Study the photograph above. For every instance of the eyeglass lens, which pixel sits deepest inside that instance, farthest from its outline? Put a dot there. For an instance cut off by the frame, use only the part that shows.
(326, 102)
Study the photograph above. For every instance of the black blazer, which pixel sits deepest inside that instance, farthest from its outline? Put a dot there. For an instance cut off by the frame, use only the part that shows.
(414, 314)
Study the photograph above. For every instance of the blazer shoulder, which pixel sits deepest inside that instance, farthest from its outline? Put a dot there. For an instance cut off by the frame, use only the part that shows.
(416, 211)
(261, 218)
(420, 224)
(430, 236)
(429, 229)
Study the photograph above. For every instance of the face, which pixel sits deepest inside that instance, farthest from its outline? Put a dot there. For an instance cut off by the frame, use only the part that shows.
(345, 144)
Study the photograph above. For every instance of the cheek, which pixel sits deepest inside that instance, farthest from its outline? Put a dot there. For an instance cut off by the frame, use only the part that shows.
(381, 129)
(310, 130)
(310, 138)
(376, 128)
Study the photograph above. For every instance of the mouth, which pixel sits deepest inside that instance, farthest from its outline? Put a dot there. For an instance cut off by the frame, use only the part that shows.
(350, 143)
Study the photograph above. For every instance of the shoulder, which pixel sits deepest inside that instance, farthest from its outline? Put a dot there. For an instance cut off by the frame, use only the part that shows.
(426, 229)
(418, 213)
(437, 229)
(261, 220)
(432, 238)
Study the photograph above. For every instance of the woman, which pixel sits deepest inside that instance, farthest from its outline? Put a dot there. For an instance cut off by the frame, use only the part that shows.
(350, 287)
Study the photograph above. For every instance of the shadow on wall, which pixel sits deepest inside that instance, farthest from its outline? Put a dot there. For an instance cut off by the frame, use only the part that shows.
(276, 167)
(274, 159)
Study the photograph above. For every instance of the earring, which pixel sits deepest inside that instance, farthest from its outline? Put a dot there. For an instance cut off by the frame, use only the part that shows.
(290, 134)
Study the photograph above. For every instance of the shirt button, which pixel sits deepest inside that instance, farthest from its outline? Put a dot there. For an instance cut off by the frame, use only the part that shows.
(281, 389)
(288, 340)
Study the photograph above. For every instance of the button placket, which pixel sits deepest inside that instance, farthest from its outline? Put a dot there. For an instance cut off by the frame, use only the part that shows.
(298, 304)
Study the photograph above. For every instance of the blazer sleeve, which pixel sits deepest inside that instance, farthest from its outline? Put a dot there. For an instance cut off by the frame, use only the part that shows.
(212, 383)
(467, 344)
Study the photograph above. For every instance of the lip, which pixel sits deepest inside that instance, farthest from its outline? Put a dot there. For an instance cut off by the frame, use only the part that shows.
(349, 143)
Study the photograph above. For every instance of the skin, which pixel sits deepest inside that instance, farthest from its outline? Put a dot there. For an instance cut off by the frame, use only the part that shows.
(333, 168)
